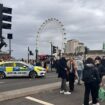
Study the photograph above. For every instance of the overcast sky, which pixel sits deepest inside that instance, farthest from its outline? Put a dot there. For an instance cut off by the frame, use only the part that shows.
(83, 20)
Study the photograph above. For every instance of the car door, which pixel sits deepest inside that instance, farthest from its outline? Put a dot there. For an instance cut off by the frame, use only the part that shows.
(21, 69)
(9, 69)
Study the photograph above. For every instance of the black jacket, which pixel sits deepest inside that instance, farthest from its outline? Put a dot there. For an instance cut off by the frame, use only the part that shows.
(91, 74)
(101, 70)
(62, 64)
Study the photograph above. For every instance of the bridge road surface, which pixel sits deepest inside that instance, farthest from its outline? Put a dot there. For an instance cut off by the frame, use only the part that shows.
(52, 97)
(18, 83)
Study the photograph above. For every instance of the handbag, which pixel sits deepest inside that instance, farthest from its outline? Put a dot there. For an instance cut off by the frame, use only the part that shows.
(101, 94)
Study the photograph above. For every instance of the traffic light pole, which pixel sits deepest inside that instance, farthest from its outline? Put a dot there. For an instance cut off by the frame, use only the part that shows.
(1, 6)
(10, 47)
(36, 51)
(51, 54)
(28, 57)
(0, 37)
(5, 20)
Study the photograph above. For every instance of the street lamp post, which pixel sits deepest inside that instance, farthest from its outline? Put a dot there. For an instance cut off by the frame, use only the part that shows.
(10, 47)
(51, 54)
(36, 51)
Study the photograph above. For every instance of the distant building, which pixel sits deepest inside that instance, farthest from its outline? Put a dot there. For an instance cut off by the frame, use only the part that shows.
(94, 53)
(4, 56)
(74, 47)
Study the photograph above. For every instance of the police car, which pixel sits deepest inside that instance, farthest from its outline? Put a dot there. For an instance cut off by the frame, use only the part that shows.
(18, 68)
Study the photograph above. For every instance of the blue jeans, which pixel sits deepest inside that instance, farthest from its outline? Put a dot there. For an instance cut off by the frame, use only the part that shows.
(79, 75)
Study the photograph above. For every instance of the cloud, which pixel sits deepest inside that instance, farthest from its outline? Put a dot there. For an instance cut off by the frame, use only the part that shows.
(82, 19)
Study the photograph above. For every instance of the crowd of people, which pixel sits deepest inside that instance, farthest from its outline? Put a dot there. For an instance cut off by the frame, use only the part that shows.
(90, 72)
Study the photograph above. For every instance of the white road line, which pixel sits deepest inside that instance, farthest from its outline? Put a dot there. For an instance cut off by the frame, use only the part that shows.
(38, 101)
(1, 82)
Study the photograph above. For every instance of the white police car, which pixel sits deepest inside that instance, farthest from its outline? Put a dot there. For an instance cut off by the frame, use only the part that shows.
(18, 68)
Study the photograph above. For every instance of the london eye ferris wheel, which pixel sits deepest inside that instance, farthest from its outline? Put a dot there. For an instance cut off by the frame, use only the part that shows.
(50, 31)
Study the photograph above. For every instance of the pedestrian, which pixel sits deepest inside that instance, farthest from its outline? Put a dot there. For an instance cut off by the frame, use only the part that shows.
(91, 80)
(62, 73)
(80, 67)
(72, 73)
(100, 67)
(38, 63)
(56, 65)
(103, 61)
(103, 64)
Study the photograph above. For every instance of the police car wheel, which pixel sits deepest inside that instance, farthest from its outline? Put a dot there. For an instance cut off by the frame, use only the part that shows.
(33, 74)
(2, 75)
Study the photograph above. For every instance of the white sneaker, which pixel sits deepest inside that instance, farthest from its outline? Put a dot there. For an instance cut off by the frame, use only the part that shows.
(61, 91)
(67, 93)
(97, 103)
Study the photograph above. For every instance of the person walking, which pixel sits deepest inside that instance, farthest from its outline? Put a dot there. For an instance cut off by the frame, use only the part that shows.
(80, 68)
(91, 80)
(101, 69)
(62, 73)
(72, 73)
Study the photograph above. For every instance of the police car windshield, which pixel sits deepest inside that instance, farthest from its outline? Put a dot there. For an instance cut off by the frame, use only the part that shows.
(29, 65)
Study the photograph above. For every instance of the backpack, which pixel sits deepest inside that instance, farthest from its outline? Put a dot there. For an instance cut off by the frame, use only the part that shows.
(89, 75)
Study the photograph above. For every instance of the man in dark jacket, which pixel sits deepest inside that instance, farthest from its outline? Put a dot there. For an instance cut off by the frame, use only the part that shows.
(91, 80)
(62, 73)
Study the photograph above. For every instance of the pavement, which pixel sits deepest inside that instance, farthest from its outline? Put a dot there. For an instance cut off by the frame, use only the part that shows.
(11, 88)
(51, 97)
(34, 90)
(27, 91)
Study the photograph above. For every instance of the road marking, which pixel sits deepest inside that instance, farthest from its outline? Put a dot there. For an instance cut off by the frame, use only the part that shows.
(1, 82)
(38, 101)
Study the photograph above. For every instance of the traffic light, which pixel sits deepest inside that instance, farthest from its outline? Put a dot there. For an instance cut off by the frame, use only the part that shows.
(31, 53)
(9, 36)
(54, 49)
(4, 18)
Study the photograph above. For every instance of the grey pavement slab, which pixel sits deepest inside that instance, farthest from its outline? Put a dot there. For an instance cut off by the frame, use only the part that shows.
(27, 91)
(53, 97)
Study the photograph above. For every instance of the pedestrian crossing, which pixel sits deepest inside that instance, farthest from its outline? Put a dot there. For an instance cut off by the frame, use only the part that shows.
(38, 101)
